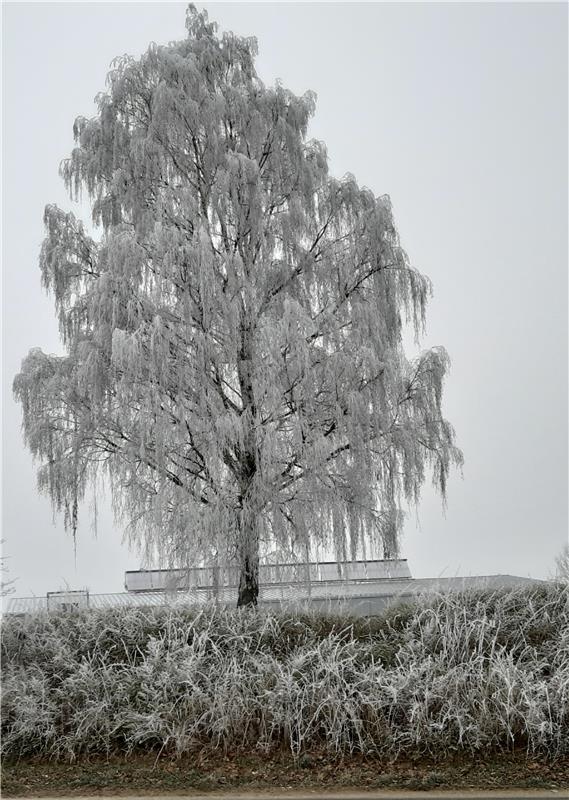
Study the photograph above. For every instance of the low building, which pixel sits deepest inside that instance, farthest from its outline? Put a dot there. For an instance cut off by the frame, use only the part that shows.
(359, 587)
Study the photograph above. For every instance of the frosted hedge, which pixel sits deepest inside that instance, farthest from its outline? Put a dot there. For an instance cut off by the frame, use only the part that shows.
(457, 672)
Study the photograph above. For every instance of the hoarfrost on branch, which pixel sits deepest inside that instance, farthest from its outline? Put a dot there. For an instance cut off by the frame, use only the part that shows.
(234, 339)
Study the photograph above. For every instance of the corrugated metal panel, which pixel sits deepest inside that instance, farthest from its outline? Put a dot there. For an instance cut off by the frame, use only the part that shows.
(126, 600)
(25, 605)
(457, 584)
(281, 593)
(198, 577)
(357, 596)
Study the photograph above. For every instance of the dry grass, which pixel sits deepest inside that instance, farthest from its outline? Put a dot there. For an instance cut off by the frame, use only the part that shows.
(454, 673)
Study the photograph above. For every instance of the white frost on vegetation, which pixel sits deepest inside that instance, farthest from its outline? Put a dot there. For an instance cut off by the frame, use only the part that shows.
(234, 337)
(472, 672)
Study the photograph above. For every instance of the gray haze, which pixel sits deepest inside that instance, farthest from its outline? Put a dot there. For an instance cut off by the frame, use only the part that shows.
(459, 112)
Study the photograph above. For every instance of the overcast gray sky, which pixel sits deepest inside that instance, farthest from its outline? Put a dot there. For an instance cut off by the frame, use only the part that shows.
(459, 112)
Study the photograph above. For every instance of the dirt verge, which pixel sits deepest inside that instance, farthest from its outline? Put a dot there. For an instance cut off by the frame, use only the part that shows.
(209, 772)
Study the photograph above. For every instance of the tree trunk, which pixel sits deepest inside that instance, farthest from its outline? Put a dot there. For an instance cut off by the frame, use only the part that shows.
(248, 583)
(248, 561)
(248, 532)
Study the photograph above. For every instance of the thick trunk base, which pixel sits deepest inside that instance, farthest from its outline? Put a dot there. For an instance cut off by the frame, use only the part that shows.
(248, 585)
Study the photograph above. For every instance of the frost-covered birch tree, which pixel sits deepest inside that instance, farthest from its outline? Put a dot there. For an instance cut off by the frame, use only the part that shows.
(234, 329)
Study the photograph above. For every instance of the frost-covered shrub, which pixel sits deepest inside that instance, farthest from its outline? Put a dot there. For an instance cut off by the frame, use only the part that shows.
(451, 672)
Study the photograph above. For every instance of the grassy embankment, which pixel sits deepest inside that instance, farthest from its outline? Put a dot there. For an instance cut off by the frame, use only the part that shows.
(465, 689)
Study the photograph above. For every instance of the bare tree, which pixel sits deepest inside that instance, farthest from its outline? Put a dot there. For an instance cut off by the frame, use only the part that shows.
(234, 337)
(562, 565)
(6, 586)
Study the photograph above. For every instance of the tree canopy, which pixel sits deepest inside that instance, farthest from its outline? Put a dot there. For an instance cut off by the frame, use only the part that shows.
(233, 335)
